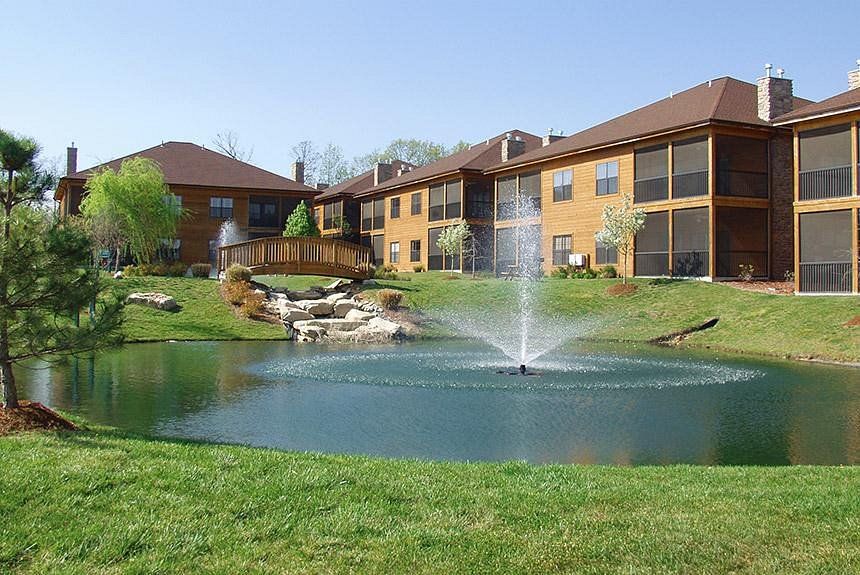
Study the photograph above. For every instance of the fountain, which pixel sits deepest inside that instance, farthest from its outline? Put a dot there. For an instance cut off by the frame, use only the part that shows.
(520, 333)
(229, 233)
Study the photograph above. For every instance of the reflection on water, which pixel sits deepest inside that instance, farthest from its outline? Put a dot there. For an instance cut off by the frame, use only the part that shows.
(619, 405)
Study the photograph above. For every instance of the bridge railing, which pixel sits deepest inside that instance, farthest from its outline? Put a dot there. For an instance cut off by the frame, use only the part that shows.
(316, 255)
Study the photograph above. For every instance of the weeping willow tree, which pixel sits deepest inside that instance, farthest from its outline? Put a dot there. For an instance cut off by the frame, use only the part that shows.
(131, 210)
(45, 274)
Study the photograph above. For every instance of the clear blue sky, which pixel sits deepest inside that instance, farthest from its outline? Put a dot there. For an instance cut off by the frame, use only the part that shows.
(117, 77)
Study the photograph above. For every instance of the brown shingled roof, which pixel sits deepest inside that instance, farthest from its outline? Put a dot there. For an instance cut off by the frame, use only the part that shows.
(721, 100)
(358, 183)
(843, 102)
(184, 163)
(478, 157)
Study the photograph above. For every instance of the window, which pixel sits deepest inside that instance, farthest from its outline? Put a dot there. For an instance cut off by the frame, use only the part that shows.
(562, 186)
(221, 208)
(379, 214)
(605, 255)
(453, 199)
(825, 251)
(479, 199)
(328, 215)
(652, 246)
(607, 178)
(651, 174)
(434, 253)
(415, 251)
(289, 205)
(378, 246)
(825, 163)
(506, 204)
(395, 208)
(263, 212)
(690, 168)
(529, 188)
(437, 203)
(560, 250)
(394, 252)
(741, 239)
(690, 243)
(742, 166)
(174, 201)
(169, 251)
(367, 215)
(416, 203)
(213, 252)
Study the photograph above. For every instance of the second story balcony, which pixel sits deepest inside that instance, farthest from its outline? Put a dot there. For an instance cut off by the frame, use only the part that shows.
(825, 183)
(824, 169)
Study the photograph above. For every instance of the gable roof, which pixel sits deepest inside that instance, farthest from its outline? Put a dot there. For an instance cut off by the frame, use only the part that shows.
(478, 157)
(721, 100)
(184, 163)
(357, 183)
(844, 102)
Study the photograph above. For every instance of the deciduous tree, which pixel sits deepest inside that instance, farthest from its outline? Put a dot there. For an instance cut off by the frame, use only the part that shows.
(228, 143)
(620, 226)
(451, 239)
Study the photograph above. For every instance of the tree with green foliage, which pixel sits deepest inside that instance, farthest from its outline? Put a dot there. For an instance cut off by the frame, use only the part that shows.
(136, 201)
(451, 239)
(46, 276)
(301, 223)
(620, 226)
(413, 151)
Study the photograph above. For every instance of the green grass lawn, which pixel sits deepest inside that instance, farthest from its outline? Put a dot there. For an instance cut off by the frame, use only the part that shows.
(203, 314)
(106, 502)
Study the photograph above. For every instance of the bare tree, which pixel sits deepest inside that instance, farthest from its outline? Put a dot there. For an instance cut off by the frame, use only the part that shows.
(333, 169)
(306, 152)
(228, 143)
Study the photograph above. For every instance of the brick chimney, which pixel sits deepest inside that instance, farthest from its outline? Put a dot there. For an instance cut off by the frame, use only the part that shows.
(550, 138)
(71, 159)
(381, 172)
(298, 172)
(854, 77)
(512, 147)
(321, 186)
(775, 96)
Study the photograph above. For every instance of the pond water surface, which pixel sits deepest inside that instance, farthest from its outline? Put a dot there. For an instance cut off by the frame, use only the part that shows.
(446, 400)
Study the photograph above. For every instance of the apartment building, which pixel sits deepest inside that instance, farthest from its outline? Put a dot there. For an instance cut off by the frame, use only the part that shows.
(826, 191)
(212, 188)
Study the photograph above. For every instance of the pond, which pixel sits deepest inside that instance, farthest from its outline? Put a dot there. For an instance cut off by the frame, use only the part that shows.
(619, 404)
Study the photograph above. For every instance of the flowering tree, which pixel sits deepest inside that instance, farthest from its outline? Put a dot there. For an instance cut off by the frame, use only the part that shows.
(620, 225)
(451, 240)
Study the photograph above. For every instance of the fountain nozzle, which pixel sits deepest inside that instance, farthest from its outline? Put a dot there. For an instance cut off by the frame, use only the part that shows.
(522, 369)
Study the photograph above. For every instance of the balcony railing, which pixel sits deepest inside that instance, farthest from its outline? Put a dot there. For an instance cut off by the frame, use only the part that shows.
(825, 183)
(691, 264)
(729, 263)
(690, 184)
(651, 264)
(741, 183)
(825, 277)
(651, 189)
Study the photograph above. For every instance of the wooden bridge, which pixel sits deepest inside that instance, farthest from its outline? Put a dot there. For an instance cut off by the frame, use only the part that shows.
(299, 256)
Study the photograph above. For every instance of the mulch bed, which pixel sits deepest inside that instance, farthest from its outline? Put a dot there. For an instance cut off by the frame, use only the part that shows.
(621, 289)
(782, 288)
(853, 322)
(32, 416)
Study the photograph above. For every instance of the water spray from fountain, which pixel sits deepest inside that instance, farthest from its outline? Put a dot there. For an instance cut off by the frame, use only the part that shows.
(229, 233)
(520, 331)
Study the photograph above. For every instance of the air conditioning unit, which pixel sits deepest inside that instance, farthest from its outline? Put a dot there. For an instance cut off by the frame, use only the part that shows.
(578, 260)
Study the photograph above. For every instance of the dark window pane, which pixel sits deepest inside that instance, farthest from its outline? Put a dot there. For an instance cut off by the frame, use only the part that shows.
(415, 251)
(507, 196)
(560, 250)
(437, 203)
(652, 246)
(530, 192)
(506, 249)
(434, 254)
(690, 156)
(690, 244)
(742, 166)
(367, 215)
(651, 162)
(605, 255)
(825, 148)
(606, 178)
(453, 199)
(479, 199)
(395, 208)
(378, 250)
(825, 252)
(562, 185)
(379, 214)
(327, 217)
(394, 255)
(416, 203)
(741, 240)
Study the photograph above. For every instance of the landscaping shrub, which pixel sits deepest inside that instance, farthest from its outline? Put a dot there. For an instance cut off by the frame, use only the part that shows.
(238, 273)
(252, 306)
(235, 292)
(389, 298)
(559, 273)
(418, 268)
(386, 272)
(174, 269)
(746, 273)
(201, 270)
(609, 272)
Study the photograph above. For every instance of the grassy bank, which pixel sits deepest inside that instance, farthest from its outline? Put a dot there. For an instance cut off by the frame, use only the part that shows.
(203, 314)
(788, 326)
(106, 502)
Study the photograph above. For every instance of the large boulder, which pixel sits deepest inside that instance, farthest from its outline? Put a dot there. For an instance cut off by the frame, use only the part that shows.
(293, 315)
(307, 332)
(317, 307)
(329, 325)
(358, 315)
(343, 307)
(388, 327)
(336, 297)
(154, 300)
(310, 294)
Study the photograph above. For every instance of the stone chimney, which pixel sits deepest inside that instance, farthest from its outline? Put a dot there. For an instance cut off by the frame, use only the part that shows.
(71, 159)
(775, 96)
(512, 147)
(321, 186)
(550, 138)
(298, 172)
(381, 172)
(854, 77)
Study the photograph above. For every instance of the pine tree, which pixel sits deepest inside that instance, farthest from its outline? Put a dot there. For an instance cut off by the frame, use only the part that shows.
(301, 224)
